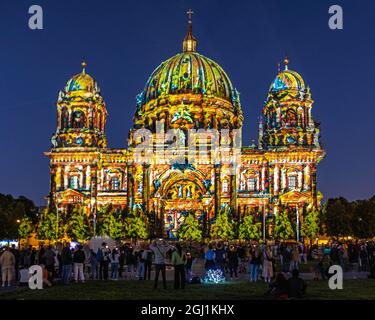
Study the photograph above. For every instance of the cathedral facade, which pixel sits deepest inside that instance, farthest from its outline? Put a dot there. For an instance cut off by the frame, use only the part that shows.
(184, 152)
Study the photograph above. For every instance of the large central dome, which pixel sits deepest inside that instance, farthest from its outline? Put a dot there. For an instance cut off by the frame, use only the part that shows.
(189, 72)
(186, 91)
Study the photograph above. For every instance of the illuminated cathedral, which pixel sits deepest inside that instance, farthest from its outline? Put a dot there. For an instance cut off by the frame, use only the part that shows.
(184, 152)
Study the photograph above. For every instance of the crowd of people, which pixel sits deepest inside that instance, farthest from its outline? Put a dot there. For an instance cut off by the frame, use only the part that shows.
(278, 264)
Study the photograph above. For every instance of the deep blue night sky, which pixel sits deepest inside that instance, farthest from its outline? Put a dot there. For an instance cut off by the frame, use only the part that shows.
(123, 41)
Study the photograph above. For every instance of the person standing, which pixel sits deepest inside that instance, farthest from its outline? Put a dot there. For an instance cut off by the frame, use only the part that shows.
(27, 257)
(40, 259)
(33, 256)
(103, 258)
(178, 261)
(363, 258)
(66, 261)
(147, 254)
(7, 262)
(79, 260)
(232, 261)
(267, 264)
(93, 265)
(114, 258)
(188, 267)
(160, 249)
(254, 263)
(129, 262)
(49, 261)
(294, 259)
(220, 257)
(209, 258)
(121, 262)
(286, 257)
(141, 264)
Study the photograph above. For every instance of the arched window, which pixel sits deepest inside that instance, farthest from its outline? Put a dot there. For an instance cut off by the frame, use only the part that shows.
(251, 184)
(74, 182)
(225, 186)
(115, 184)
(100, 121)
(291, 118)
(243, 184)
(78, 120)
(64, 115)
(292, 182)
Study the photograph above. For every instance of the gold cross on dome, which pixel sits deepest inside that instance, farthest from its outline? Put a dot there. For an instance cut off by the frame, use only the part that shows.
(190, 14)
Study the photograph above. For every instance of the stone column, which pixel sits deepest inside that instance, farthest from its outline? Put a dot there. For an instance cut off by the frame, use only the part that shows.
(129, 195)
(146, 186)
(217, 169)
(276, 179)
(93, 197)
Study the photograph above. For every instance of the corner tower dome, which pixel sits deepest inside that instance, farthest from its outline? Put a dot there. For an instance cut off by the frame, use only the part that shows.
(82, 114)
(82, 82)
(287, 80)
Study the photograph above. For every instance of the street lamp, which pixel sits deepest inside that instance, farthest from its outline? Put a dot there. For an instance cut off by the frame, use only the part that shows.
(19, 239)
(264, 224)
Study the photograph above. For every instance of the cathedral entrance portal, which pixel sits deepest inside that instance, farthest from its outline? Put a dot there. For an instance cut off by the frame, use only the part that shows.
(182, 198)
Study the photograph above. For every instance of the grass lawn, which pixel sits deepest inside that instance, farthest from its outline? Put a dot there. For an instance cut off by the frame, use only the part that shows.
(141, 290)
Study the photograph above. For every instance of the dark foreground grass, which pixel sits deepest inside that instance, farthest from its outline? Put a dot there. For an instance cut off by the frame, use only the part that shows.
(142, 290)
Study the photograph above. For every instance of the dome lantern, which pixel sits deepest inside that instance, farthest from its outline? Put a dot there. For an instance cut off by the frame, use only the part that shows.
(83, 65)
(286, 63)
(190, 43)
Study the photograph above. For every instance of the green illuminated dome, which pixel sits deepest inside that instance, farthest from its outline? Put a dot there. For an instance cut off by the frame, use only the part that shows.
(188, 72)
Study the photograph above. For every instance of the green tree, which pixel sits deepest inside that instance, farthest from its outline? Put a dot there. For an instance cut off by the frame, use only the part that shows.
(11, 211)
(47, 228)
(110, 222)
(135, 227)
(338, 217)
(190, 229)
(363, 219)
(25, 228)
(283, 227)
(78, 226)
(249, 229)
(310, 224)
(222, 228)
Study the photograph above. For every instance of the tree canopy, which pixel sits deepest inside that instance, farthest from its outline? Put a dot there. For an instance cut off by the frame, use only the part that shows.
(249, 229)
(222, 228)
(283, 226)
(190, 229)
(12, 211)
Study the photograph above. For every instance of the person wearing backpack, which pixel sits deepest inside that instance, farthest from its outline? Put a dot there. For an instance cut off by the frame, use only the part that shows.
(178, 261)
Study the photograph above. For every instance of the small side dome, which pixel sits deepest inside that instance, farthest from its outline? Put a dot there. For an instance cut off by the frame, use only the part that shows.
(287, 80)
(81, 82)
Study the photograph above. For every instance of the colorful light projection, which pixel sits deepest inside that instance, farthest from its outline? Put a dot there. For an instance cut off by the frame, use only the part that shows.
(187, 91)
